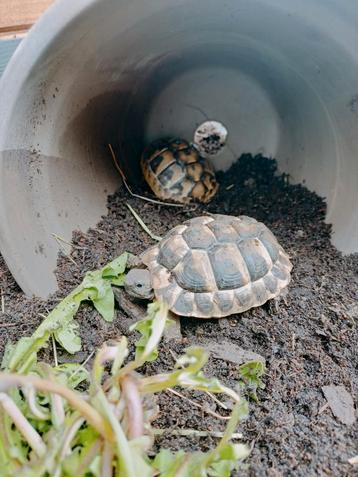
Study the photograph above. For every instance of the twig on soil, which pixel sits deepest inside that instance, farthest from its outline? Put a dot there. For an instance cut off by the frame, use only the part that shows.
(59, 242)
(194, 433)
(293, 341)
(142, 224)
(208, 411)
(153, 201)
(218, 402)
(82, 366)
(2, 301)
(57, 237)
(8, 325)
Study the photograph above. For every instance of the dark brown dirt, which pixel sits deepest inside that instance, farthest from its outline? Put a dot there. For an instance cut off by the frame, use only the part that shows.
(308, 341)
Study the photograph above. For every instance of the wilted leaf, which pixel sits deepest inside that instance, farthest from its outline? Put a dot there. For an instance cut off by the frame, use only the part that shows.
(69, 338)
(96, 287)
(250, 374)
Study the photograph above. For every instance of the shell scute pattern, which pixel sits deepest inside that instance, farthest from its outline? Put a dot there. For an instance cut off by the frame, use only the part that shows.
(159, 163)
(270, 283)
(184, 304)
(199, 237)
(269, 242)
(194, 273)
(218, 265)
(204, 303)
(172, 251)
(229, 268)
(256, 258)
(223, 232)
(244, 297)
(175, 171)
(224, 300)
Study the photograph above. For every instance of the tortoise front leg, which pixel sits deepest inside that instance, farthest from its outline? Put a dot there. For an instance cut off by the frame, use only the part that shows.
(136, 312)
(133, 311)
(173, 331)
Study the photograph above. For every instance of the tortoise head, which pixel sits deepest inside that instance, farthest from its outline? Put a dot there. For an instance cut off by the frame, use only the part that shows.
(138, 284)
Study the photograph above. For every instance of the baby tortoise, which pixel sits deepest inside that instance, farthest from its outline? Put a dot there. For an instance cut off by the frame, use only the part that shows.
(212, 267)
(175, 171)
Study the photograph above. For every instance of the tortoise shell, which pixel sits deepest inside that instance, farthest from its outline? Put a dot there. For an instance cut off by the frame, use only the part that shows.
(217, 266)
(175, 171)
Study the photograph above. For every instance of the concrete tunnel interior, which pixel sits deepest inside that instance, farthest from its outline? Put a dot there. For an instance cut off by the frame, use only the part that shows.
(282, 82)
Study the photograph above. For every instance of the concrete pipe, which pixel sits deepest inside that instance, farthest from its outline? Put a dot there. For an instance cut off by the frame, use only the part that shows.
(280, 75)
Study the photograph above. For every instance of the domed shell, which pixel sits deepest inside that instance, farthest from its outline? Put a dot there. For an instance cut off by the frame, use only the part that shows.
(175, 171)
(215, 266)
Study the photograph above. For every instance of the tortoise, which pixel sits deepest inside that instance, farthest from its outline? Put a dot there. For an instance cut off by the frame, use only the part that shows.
(175, 171)
(212, 267)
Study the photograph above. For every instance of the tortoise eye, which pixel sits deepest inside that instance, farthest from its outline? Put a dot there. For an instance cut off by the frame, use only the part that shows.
(139, 285)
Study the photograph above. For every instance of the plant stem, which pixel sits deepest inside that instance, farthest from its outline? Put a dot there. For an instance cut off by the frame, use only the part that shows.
(88, 458)
(8, 381)
(142, 224)
(123, 450)
(134, 406)
(194, 433)
(29, 433)
(107, 460)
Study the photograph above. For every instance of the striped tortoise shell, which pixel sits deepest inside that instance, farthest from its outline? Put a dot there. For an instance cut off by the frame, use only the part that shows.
(175, 171)
(215, 266)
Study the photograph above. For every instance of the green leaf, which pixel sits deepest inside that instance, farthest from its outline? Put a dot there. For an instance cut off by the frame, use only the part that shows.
(15, 352)
(145, 328)
(119, 281)
(69, 338)
(73, 374)
(99, 291)
(8, 351)
(222, 468)
(228, 459)
(86, 436)
(151, 329)
(116, 267)
(142, 464)
(84, 439)
(250, 374)
(171, 464)
(104, 304)
(73, 444)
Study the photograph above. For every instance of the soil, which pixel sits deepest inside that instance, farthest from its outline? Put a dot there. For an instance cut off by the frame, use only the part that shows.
(308, 340)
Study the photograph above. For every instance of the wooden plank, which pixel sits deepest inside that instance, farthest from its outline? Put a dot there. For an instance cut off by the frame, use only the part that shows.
(19, 15)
